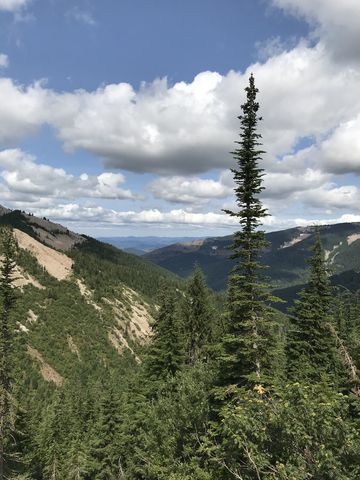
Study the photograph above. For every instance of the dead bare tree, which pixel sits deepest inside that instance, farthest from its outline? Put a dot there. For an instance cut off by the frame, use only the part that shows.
(347, 361)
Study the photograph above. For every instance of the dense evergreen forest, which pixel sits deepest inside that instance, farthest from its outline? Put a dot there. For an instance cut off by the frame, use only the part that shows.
(222, 390)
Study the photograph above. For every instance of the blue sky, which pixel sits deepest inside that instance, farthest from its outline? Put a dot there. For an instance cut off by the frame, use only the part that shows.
(117, 116)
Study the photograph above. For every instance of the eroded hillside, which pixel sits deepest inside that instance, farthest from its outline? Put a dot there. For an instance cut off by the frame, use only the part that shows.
(78, 306)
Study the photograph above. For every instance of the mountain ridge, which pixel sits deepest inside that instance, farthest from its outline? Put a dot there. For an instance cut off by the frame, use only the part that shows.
(286, 255)
(144, 244)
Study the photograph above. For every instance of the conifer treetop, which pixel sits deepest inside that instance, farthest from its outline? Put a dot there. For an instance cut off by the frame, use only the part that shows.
(248, 345)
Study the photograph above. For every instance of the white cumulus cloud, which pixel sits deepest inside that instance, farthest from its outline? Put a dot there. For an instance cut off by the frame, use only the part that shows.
(188, 128)
(12, 5)
(76, 212)
(340, 152)
(23, 109)
(22, 179)
(333, 197)
(160, 128)
(336, 22)
(279, 185)
(190, 189)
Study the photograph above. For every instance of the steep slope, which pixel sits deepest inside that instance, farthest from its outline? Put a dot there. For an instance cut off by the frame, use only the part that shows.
(52, 234)
(57, 264)
(286, 254)
(83, 307)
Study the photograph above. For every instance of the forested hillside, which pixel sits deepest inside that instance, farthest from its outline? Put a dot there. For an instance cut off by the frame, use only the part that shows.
(113, 369)
(142, 245)
(82, 309)
(90, 299)
(286, 254)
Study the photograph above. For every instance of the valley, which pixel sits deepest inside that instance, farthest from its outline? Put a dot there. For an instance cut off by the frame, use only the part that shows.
(286, 255)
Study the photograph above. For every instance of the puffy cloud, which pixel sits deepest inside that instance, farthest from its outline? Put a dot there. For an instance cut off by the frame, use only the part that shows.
(23, 109)
(190, 189)
(332, 197)
(279, 185)
(340, 152)
(160, 128)
(4, 60)
(189, 128)
(303, 94)
(91, 217)
(25, 180)
(182, 128)
(12, 5)
(325, 12)
(336, 153)
(336, 22)
(76, 212)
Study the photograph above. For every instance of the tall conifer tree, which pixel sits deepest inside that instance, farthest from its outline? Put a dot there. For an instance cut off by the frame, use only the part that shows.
(165, 354)
(196, 317)
(248, 343)
(104, 441)
(310, 347)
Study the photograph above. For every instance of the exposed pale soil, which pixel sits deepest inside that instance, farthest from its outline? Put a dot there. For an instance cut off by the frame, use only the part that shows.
(32, 317)
(352, 238)
(294, 241)
(56, 263)
(73, 347)
(135, 322)
(328, 253)
(22, 278)
(22, 328)
(86, 293)
(47, 372)
(119, 342)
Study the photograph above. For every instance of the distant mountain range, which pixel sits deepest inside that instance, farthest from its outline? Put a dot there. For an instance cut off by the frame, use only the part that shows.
(142, 245)
(286, 256)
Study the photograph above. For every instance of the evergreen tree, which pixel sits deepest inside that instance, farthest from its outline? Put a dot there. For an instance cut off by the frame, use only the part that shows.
(310, 347)
(298, 432)
(104, 437)
(51, 437)
(196, 317)
(165, 354)
(248, 343)
(7, 299)
(78, 463)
